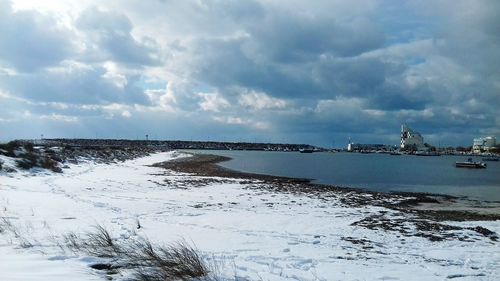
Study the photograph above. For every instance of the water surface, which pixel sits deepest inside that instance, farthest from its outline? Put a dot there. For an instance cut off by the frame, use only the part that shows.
(378, 172)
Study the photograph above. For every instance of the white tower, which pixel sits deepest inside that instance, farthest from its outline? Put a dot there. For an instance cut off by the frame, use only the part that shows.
(349, 145)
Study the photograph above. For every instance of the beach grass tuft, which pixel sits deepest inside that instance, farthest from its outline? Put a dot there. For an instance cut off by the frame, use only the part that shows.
(148, 262)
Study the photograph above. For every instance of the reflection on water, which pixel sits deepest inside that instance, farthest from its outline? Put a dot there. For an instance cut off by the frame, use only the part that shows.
(379, 172)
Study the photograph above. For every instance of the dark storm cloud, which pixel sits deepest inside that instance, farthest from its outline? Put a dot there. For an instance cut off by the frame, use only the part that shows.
(30, 40)
(299, 71)
(283, 54)
(225, 64)
(397, 96)
(289, 38)
(74, 85)
(288, 55)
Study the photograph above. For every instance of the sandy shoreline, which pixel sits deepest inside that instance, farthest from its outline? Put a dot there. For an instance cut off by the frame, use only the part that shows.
(438, 207)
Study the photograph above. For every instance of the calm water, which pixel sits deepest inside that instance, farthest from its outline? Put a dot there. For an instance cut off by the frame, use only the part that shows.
(379, 172)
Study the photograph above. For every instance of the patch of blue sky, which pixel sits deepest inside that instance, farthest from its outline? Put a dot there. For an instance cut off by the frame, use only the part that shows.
(200, 87)
(414, 61)
(149, 84)
(403, 23)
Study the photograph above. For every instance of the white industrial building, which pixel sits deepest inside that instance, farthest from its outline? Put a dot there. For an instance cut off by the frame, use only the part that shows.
(410, 138)
(483, 144)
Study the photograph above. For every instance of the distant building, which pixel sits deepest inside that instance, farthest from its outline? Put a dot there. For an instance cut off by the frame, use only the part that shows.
(349, 145)
(483, 144)
(410, 138)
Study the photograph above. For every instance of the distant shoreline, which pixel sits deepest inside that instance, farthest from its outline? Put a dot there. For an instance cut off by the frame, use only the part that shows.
(206, 165)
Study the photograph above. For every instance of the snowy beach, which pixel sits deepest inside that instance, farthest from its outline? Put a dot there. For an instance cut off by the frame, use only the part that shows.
(250, 228)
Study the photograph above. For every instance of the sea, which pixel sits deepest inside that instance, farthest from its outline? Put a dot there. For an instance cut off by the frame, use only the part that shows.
(374, 171)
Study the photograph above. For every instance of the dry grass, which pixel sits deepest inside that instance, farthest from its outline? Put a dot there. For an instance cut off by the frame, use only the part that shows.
(23, 238)
(178, 261)
(6, 226)
(174, 262)
(98, 243)
(136, 256)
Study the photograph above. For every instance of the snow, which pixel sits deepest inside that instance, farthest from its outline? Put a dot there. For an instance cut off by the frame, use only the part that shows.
(254, 233)
(33, 266)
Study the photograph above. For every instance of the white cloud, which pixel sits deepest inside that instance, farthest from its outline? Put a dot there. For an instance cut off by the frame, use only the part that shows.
(68, 67)
(126, 114)
(112, 74)
(32, 40)
(212, 102)
(231, 120)
(7, 71)
(375, 113)
(258, 100)
(59, 118)
(340, 104)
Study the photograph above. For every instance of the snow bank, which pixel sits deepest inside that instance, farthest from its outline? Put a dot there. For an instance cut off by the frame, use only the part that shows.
(256, 234)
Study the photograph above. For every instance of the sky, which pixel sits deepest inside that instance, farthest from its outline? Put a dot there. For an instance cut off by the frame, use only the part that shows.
(288, 71)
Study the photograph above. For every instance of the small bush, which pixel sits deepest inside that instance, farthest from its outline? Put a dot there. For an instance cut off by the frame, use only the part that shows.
(68, 148)
(24, 164)
(56, 158)
(27, 161)
(8, 149)
(50, 164)
(29, 147)
(33, 159)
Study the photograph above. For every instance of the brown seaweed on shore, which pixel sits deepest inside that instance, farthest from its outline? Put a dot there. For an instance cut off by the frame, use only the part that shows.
(423, 223)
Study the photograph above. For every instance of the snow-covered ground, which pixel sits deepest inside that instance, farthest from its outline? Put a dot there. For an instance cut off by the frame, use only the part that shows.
(255, 233)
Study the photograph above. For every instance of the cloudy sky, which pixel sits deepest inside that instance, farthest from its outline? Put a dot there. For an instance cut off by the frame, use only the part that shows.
(292, 71)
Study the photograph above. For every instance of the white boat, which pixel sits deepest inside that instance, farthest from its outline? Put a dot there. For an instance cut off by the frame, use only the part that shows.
(470, 164)
(306, 150)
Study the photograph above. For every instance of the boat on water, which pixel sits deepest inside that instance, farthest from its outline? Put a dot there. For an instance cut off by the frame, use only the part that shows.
(470, 164)
(306, 150)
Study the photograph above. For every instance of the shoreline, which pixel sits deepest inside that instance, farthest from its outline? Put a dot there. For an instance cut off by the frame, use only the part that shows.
(268, 228)
(438, 207)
